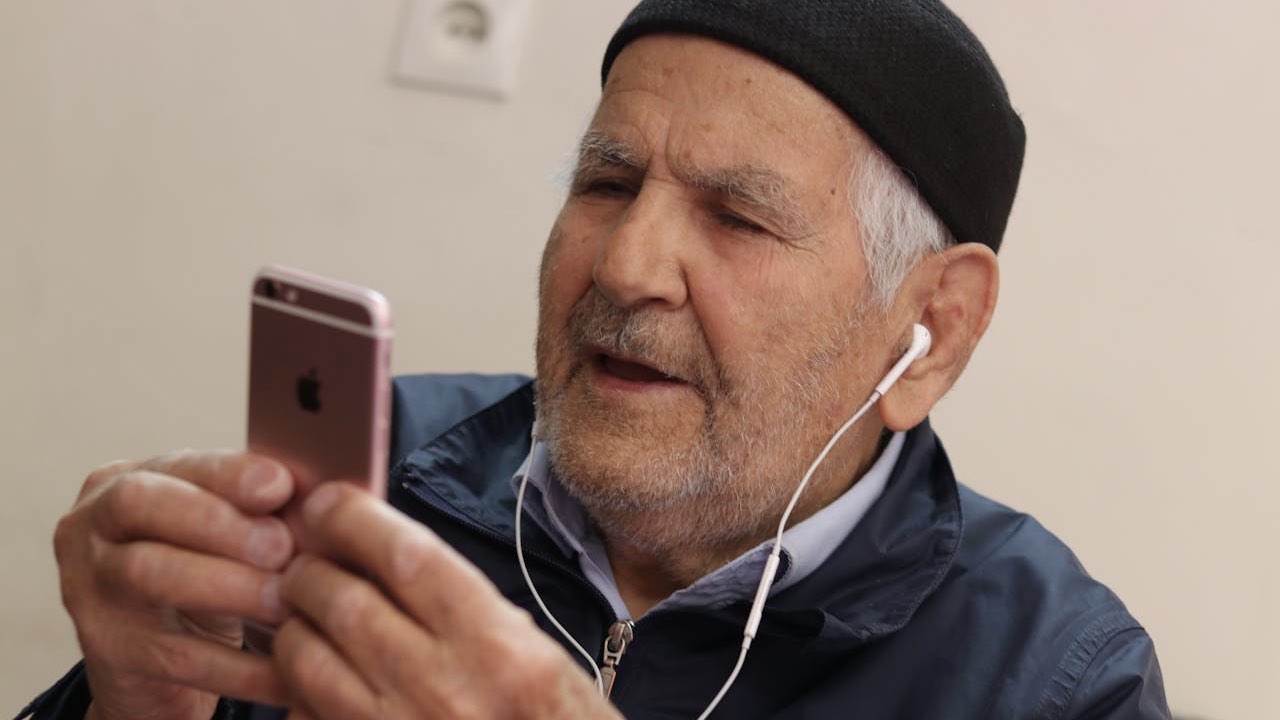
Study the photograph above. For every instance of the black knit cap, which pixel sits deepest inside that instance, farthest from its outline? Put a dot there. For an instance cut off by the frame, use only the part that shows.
(908, 72)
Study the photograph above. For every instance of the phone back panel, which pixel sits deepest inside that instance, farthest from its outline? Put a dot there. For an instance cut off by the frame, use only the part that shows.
(319, 381)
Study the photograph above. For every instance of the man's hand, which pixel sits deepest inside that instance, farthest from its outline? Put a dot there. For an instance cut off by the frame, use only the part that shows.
(418, 633)
(159, 561)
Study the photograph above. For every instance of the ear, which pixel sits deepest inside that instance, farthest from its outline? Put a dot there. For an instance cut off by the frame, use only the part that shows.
(953, 294)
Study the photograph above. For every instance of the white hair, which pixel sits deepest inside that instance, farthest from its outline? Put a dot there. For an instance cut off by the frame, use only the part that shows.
(897, 226)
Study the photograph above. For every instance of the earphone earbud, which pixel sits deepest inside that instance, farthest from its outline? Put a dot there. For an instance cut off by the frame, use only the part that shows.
(921, 341)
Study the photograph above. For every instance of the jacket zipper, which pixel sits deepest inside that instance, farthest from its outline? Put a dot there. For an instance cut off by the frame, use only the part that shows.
(620, 635)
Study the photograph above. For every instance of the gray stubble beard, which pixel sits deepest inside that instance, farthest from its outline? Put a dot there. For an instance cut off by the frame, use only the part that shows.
(700, 491)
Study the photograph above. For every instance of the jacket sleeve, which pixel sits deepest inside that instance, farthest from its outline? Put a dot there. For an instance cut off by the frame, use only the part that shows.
(69, 699)
(1123, 680)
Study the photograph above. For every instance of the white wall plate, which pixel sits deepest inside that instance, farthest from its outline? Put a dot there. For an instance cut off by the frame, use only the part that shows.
(469, 46)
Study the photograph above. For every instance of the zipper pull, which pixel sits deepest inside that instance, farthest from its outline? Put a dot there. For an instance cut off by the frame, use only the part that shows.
(621, 633)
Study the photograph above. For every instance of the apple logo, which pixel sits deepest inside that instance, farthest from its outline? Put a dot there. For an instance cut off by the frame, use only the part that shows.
(309, 391)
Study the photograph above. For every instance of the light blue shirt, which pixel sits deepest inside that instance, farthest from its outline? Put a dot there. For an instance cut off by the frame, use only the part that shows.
(805, 545)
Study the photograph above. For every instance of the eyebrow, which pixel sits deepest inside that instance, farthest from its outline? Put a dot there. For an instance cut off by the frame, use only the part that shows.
(600, 150)
(760, 188)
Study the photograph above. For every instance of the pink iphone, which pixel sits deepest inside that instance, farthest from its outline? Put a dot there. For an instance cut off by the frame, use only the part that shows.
(319, 378)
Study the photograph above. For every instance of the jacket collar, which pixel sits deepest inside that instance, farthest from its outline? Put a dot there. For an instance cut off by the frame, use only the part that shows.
(870, 586)
(897, 556)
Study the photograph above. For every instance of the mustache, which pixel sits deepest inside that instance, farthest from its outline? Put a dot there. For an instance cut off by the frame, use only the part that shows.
(673, 347)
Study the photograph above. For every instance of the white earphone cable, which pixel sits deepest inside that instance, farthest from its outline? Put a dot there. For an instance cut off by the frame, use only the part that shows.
(771, 565)
(524, 570)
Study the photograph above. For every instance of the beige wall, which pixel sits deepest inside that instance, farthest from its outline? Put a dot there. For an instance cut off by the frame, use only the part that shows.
(152, 154)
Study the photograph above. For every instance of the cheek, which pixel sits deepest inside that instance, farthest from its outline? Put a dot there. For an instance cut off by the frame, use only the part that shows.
(782, 337)
(749, 314)
(564, 278)
(565, 275)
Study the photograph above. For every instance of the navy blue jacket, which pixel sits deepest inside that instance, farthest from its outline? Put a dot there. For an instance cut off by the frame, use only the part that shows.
(940, 603)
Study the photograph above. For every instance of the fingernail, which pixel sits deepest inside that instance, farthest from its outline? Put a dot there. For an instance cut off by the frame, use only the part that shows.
(268, 544)
(272, 598)
(263, 481)
(319, 502)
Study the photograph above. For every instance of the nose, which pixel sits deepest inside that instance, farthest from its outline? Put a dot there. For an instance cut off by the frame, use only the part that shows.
(640, 261)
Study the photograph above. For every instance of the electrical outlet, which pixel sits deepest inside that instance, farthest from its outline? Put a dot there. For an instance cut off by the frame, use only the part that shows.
(468, 46)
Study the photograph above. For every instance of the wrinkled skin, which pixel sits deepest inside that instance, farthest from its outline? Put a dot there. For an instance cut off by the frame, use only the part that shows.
(159, 561)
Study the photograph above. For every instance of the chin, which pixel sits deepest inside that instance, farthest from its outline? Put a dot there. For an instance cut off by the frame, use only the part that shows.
(653, 498)
(622, 457)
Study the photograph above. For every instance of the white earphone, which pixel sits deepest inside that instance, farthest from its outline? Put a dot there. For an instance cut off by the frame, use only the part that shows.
(921, 342)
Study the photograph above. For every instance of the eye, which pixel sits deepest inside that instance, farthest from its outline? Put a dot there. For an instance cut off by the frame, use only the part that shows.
(604, 187)
(737, 223)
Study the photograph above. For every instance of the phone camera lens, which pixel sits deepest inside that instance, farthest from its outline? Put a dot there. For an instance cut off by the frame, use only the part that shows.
(269, 289)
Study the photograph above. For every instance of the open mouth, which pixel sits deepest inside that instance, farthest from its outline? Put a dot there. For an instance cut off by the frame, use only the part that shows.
(632, 371)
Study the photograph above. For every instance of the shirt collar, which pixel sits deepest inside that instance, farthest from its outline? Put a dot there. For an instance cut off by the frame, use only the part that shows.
(805, 546)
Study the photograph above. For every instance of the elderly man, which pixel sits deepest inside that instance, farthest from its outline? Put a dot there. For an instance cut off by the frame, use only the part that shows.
(770, 197)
